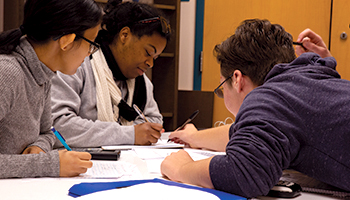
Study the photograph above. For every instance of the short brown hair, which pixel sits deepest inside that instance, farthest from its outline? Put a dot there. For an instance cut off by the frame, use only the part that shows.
(254, 49)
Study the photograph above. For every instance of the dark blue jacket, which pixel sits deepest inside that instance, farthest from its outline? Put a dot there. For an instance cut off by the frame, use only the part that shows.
(298, 119)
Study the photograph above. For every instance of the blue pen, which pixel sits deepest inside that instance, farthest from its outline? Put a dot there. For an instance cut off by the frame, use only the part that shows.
(60, 137)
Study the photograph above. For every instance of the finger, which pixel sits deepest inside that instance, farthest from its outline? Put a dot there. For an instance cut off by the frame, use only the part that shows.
(148, 143)
(153, 139)
(157, 127)
(156, 134)
(311, 46)
(306, 33)
(172, 136)
(177, 140)
(84, 155)
(83, 170)
(302, 35)
(300, 50)
(176, 134)
(86, 164)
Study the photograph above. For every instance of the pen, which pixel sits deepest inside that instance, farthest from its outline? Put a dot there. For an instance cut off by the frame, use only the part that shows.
(139, 112)
(61, 139)
(137, 109)
(194, 114)
(298, 43)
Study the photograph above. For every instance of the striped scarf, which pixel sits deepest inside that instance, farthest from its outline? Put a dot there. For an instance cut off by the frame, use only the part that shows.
(108, 94)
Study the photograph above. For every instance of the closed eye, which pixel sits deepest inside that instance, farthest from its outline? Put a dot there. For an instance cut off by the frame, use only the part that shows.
(147, 53)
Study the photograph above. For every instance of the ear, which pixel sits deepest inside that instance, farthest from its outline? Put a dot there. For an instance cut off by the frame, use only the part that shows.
(238, 81)
(66, 40)
(124, 34)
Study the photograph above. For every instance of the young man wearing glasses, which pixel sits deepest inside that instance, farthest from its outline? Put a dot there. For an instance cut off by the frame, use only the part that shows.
(94, 107)
(288, 116)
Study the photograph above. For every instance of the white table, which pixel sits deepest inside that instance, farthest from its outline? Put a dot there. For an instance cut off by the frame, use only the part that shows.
(57, 188)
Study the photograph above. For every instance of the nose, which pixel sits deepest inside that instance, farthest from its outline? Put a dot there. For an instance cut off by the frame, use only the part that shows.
(150, 62)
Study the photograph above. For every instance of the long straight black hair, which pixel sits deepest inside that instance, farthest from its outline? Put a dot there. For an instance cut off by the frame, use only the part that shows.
(46, 20)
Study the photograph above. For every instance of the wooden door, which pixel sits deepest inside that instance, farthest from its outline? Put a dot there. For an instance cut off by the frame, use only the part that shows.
(340, 46)
(221, 17)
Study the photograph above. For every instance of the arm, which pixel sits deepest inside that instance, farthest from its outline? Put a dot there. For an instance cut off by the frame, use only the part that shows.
(256, 154)
(214, 138)
(46, 137)
(50, 164)
(312, 42)
(75, 114)
(14, 139)
(180, 167)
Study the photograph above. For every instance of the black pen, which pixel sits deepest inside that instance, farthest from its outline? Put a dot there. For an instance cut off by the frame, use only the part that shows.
(194, 114)
(299, 43)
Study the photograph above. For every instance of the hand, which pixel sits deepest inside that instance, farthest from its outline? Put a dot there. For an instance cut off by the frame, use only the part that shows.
(184, 136)
(172, 164)
(147, 133)
(312, 43)
(33, 150)
(73, 163)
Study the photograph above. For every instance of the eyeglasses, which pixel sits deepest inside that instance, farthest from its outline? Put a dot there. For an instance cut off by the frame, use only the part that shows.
(93, 45)
(219, 91)
(165, 26)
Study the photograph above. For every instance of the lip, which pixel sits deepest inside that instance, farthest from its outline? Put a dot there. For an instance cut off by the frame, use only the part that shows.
(140, 71)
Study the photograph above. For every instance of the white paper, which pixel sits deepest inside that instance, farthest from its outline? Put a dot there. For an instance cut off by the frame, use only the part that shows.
(154, 157)
(112, 169)
(161, 144)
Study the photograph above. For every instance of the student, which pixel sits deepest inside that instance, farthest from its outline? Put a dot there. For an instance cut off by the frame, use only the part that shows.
(53, 37)
(94, 107)
(293, 116)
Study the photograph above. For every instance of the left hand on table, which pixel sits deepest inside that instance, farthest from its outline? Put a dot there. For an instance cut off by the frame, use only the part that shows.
(173, 163)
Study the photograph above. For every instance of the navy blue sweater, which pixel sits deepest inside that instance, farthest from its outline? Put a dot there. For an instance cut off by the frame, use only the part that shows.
(298, 119)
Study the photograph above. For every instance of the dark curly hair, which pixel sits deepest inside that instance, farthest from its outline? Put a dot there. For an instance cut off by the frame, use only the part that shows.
(254, 49)
(120, 14)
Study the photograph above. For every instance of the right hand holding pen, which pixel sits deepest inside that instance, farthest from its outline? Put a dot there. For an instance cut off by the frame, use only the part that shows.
(147, 133)
(73, 163)
(184, 136)
(312, 42)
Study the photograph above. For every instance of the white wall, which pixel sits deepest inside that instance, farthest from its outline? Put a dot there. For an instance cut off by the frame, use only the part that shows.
(187, 33)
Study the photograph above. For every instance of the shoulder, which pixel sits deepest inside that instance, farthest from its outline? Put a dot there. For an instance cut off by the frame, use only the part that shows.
(11, 78)
(11, 69)
(263, 101)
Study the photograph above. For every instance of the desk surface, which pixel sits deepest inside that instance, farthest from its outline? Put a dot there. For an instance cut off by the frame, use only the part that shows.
(57, 188)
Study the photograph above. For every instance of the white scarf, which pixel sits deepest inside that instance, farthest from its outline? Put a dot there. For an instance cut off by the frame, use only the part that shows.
(108, 94)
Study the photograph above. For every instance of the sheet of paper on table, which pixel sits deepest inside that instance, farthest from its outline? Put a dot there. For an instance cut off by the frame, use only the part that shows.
(161, 144)
(112, 169)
